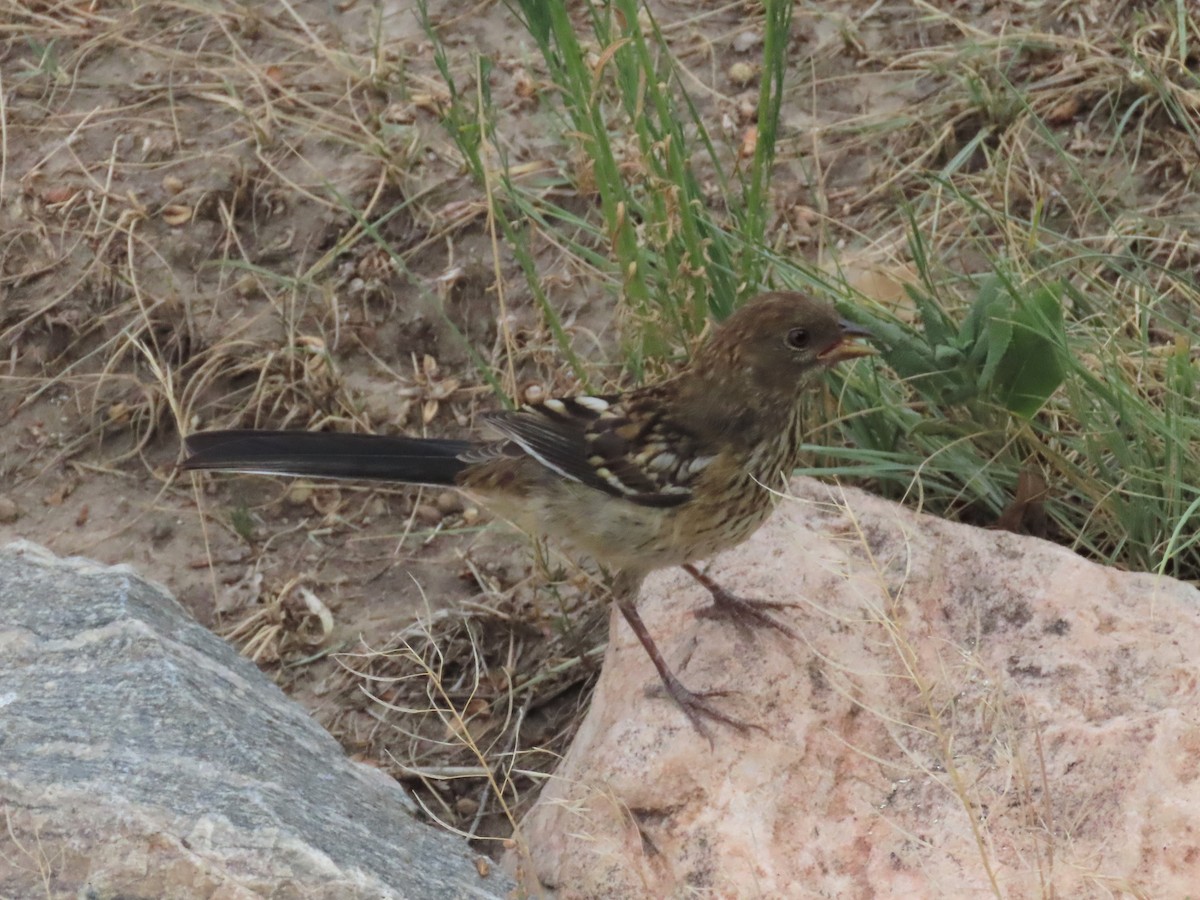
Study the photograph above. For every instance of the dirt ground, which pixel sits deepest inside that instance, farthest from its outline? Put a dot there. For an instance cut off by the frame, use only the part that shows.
(196, 201)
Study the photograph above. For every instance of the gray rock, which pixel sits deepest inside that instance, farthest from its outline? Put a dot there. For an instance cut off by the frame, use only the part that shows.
(140, 756)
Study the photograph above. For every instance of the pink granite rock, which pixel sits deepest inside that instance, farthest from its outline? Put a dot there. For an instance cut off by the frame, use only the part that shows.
(966, 713)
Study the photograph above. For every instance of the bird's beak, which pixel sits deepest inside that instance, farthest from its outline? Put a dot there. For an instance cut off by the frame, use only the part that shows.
(846, 347)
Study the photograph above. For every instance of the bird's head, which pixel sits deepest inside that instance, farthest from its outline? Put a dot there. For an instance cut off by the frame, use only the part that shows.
(779, 342)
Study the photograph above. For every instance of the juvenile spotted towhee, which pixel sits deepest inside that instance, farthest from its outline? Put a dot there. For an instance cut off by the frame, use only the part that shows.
(662, 475)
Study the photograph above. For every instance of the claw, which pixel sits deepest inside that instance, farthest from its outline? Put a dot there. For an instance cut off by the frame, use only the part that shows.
(745, 613)
(695, 706)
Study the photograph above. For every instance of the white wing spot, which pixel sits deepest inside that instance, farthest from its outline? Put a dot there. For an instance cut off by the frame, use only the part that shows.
(662, 462)
(555, 405)
(595, 404)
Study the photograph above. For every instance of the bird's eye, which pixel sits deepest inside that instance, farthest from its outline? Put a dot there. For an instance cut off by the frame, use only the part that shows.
(797, 338)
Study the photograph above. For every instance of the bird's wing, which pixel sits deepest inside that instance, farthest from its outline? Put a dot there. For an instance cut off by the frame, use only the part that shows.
(624, 446)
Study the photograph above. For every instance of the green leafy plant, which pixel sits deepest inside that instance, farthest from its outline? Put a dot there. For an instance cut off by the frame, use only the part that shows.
(621, 105)
(1008, 350)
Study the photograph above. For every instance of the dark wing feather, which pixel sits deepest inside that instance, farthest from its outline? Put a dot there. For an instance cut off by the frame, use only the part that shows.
(558, 440)
(623, 446)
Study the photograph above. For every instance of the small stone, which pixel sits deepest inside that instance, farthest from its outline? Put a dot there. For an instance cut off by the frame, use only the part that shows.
(299, 493)
(9, 511)
(746, 41)
(246, 287)
(427, 514)
(747, 107)
(162, 531)
(741, 73)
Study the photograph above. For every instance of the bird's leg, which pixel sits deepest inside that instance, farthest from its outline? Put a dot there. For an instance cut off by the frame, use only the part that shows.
(693, 703)
(744, 612)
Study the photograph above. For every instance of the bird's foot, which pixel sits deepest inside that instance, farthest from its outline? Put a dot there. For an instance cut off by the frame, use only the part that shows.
(696, 707)
(745, 613)
(694, 704)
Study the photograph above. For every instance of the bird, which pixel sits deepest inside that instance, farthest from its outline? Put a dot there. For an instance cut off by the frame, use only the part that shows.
(666, 474)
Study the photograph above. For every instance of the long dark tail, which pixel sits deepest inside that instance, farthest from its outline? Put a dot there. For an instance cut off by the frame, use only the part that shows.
(322, 454)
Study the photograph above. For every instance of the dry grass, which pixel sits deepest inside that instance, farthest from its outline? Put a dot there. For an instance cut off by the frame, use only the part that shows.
(472, 707)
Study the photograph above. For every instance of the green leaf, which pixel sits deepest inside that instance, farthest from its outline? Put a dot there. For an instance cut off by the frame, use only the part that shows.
(986, 333)
(1033, 367)
(933, 319)
(536, 20)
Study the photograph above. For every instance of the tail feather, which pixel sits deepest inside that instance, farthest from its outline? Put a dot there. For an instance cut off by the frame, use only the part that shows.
(321, 454)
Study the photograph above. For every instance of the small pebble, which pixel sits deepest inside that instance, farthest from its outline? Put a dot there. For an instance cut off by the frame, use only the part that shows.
(533, 393)
(9, 511)
(161, 531)
(427, 514)
(246, 287)
(741, 73)
(299, 493)
(746, 41)
(747, 107)
(449, 502)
